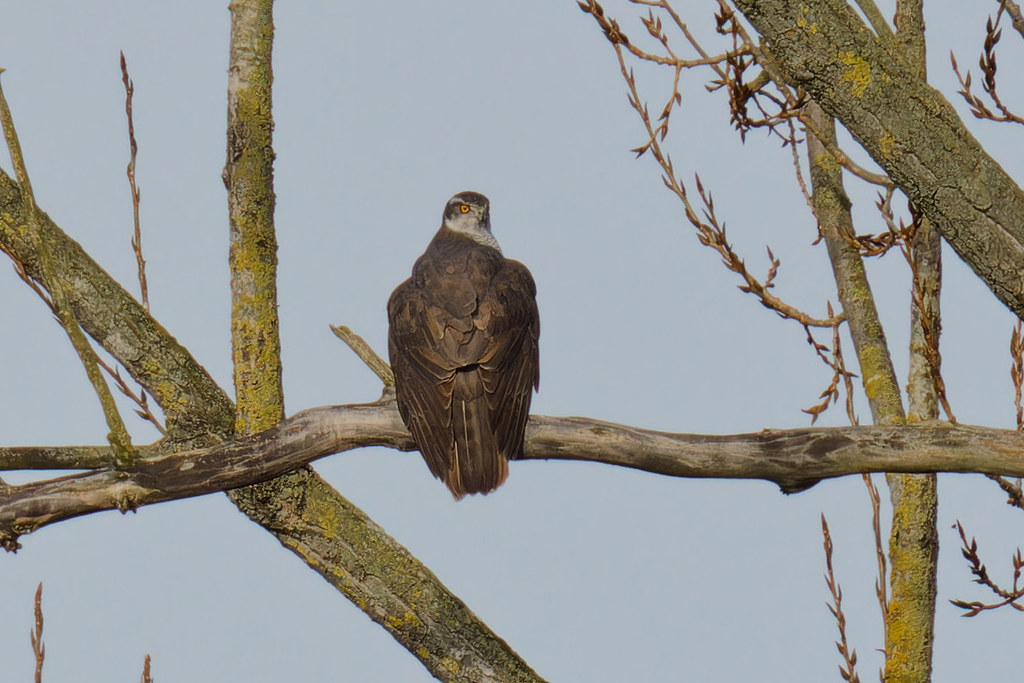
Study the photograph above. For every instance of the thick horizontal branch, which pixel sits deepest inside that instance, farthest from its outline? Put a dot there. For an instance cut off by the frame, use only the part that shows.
(794, 459)
(331, 535)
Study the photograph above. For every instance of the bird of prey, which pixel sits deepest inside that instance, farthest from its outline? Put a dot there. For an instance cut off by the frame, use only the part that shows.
(463, 345)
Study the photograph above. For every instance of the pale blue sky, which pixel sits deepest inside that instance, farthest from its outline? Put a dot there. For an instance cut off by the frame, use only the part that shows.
(383, 111)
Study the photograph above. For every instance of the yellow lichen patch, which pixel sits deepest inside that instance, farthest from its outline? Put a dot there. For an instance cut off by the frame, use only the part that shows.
(449, 664)
(321, 514)
(859, 73)
(887, 145)
(804, 24)
(826, 162)
(878, 386)
(808, 26)
(403, 621)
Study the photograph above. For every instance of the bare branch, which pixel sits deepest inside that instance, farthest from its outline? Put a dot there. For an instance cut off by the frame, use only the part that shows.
(980, 572)
(881, 581)
(1013, 9)
(1017, 369)
(1012, 489)
(987, 64)
(846, 670)
(56, 457)
(129, 92)
(907, 127)
(118, 436)
(923, 252)
(874, 15)
(36, 635)
(835, 223)
(793, 459)
(139, 399)
(365, 353)
(709, 231)
(839, 373)
(190, 399)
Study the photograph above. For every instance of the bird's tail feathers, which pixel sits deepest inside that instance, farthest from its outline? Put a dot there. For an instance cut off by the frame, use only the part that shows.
(477, 465)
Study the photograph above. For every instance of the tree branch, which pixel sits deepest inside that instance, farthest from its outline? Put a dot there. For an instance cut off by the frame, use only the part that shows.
(57, 457)
(118, 435)
(794, 459)
(874, 15)
(191, 400)
(252, 257)
(907, 127)
(324, 527)
(914, 541)
(304, 513)
(832, 208)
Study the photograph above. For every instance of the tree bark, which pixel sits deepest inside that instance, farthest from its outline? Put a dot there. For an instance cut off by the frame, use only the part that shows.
(907, 127)
(197, 408)
(192, 402)
(306, 515)
(794, 459)
(914, 539)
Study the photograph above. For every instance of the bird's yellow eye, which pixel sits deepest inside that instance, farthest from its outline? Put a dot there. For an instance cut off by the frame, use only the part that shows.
(464, 208)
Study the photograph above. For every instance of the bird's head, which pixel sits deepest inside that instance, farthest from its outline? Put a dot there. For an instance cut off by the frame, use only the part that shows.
(469, 213)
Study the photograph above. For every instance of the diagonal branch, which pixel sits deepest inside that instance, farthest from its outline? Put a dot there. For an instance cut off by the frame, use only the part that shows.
(907, 127)
(191, 400)
(118, 436)
(1013, 9)
(198, 411)
(304, 513)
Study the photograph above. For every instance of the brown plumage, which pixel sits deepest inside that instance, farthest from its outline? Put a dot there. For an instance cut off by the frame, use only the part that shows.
(463, 345)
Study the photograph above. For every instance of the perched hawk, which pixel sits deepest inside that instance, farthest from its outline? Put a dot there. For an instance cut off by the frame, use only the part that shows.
(463, 345)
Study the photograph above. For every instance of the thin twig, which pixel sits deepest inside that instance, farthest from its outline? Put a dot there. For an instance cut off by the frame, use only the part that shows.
(1017, 370)
(839, 372)
(927, 318)
(987, 64)
(794, 147)
(881, 582)
(844, 159)
(365, 353)
(36, 635)
(129, 92)
(19, 269)
(981, 577)
(118, 435)
(837, 357)
(1012, 489)
(897, 234)
(710, 232)
(141, 399)
(146, 677)
(847, 668)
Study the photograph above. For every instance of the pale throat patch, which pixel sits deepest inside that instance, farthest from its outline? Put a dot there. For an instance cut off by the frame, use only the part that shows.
(470, 226)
